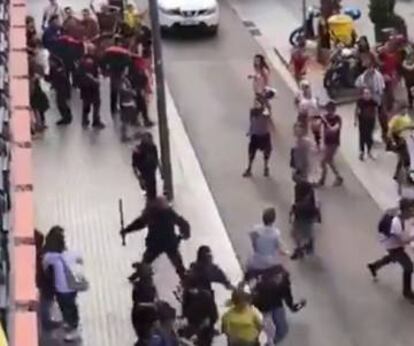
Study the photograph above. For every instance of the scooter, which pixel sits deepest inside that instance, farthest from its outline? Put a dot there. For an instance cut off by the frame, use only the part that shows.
(306, 31)
(340, 73)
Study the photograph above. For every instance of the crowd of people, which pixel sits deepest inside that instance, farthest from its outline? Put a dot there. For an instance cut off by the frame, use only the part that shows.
(381, 72)
(83, 49)
(104, 43)
(107, 43)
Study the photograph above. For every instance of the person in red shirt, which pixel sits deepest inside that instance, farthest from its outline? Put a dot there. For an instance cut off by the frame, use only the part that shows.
(390, 63)
(299, 60)
(332, 125)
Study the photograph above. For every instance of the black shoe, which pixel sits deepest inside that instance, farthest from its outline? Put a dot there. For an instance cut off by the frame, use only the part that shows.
(51, 325)
(320, 183)
(266, 172)
(114, 112)
(361, 156)
(85, 123)
(98, 125)
(309, 247)
(297, 254)
(373, 271)
(62, 122)
(338, 181)
(134, 276)
(148, 123)
(247, 173)
(409, 296)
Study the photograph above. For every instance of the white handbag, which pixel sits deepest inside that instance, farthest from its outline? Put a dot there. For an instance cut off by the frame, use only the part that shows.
(76, 280)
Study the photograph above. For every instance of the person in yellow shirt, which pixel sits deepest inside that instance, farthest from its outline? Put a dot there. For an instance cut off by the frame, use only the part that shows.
(242, 323)
(3, 340)
(132, 17)
(398, 123)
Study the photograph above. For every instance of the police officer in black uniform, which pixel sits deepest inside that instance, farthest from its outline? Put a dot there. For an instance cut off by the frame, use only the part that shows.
(59, 80)
(145, 163)
(160, 219)
(116, 58)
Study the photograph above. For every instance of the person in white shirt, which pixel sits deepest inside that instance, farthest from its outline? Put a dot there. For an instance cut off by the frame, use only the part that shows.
(394, 237)
(308, 107)
(268, 247)
(59, 259)
(53, 9)
(305, 101)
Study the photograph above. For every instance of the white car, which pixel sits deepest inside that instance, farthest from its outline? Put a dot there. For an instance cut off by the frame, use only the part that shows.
(189, 13)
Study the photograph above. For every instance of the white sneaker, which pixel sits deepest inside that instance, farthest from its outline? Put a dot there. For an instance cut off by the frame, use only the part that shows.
(72, 335)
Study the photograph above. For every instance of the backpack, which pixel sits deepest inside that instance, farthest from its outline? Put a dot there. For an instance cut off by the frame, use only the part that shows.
(384, 225)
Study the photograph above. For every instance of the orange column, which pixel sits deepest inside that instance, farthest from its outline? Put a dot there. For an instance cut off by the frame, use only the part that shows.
(23, 256)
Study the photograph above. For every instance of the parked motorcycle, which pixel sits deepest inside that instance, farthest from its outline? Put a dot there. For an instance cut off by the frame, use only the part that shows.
(306, 31)
(342, 72)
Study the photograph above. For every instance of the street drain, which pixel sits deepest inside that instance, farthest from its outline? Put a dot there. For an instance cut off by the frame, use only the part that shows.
(255, 32)
(248, 24)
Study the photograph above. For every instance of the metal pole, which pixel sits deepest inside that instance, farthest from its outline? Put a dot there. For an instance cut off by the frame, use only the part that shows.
(304, 10)
(161, 104)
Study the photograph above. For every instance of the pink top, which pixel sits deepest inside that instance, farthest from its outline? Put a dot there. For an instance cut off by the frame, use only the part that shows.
(260, 81)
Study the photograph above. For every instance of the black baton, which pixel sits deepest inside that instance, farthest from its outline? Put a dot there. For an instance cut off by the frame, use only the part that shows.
(121, 216)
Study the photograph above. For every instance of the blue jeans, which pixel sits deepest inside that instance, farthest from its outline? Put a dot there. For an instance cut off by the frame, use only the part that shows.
(281, 324)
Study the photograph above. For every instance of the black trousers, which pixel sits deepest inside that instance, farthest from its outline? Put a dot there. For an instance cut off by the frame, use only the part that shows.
(383, 121)
(114, 81)
(142, 107)
(173, 253)
(72, 73)
(88, 104)
(403, 159)
(410, 97)
(366, 130)
(150, 183)
(400, 256)
(69, 309)
(63, 107)
(142, 321)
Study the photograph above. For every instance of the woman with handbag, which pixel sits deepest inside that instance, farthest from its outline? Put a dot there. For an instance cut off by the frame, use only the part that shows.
(66, 283)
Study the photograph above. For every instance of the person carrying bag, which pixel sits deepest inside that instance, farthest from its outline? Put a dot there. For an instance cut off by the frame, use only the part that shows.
(68, 279)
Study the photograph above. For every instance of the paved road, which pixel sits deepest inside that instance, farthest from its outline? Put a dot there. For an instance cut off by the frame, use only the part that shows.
(209, 85)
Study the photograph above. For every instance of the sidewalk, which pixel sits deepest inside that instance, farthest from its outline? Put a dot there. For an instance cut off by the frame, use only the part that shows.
(78, 178)
(376, 176)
